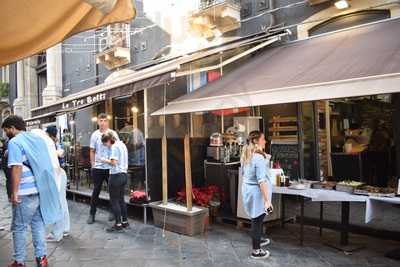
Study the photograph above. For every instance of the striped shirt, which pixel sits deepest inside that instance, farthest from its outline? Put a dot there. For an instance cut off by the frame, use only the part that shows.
(17, 157)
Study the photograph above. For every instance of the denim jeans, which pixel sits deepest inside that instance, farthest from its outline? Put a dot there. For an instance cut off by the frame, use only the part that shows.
(62, 226)
(27, 213)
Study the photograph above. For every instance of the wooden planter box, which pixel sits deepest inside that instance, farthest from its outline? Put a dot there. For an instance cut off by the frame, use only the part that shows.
(178, 219)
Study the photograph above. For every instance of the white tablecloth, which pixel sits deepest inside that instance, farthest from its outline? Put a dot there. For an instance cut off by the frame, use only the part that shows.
(374, 205)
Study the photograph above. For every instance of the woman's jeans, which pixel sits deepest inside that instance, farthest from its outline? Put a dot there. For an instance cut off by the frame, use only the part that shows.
(116, 187)
(62, 226)
(27, 213)
(256, 230)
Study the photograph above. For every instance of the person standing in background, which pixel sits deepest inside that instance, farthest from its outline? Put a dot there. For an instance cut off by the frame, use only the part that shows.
(52, 132)
(100, 170)
(66, 141)
(118, 180)
(256, 189)
(6, 170)
(61, 228)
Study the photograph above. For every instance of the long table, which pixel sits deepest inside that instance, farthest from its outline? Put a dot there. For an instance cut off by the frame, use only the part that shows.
(373, 206)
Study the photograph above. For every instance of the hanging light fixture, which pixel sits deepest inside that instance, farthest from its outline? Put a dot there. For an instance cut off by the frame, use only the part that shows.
(342, 4)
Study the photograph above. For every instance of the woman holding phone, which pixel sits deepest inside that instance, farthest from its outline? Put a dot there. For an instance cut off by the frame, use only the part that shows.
(256, 189)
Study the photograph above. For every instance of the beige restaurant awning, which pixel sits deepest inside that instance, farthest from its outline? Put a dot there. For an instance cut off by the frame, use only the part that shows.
(31, 26)
(353, 62)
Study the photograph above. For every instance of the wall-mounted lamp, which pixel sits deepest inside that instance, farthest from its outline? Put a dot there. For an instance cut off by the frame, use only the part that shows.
(109, 117)
(342, 4)
(134, 109)
(94, 119)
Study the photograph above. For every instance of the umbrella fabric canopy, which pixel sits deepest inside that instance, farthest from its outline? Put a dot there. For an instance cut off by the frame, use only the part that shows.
(31, 26)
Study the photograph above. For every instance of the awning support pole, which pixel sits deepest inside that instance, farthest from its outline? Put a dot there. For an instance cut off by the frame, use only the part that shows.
(164, 170)
(188, 173)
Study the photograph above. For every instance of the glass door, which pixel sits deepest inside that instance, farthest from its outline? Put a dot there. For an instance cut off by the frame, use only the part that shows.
(308, 141)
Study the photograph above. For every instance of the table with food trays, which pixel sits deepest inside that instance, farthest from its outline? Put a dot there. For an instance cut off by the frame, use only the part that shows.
(373, 206)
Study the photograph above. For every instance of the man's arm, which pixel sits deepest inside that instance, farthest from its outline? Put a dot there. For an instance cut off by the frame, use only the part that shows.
(15, 163)
(92, 151)
(92, 154)
(16, 172)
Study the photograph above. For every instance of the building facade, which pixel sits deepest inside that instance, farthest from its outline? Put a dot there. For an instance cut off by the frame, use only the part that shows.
(164, 31)
(79, 62)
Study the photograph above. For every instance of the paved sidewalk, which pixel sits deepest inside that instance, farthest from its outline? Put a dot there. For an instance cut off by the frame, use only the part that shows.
(145, 246)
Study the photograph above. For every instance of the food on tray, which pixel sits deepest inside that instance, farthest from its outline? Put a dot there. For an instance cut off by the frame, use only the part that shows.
(375, 191)
(350, 183)
(328, 185)
(298, 186)
(348, 186)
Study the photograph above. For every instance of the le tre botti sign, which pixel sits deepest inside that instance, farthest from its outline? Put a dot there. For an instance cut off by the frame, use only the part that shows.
(88, 100)
(88, 97)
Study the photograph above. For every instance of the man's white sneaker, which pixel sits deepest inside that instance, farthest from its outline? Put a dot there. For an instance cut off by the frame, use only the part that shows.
(265, 242)
(259, 254)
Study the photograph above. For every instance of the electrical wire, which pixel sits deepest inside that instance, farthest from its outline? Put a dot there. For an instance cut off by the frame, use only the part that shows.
(293, 5)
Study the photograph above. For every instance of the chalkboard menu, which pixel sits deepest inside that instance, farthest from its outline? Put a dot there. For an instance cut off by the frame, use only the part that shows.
(287, 154)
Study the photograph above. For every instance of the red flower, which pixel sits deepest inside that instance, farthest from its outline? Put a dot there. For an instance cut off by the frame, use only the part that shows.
(202, 196)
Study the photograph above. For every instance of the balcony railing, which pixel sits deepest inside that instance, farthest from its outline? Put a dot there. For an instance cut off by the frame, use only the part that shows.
(205, 4)
(215, 17)
(114, 46)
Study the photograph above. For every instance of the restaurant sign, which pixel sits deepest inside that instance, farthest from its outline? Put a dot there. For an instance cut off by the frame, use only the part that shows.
(33, 123)
(83, 101)
(88, 100)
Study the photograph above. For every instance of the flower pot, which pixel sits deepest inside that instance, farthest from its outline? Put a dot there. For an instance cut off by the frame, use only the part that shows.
(178, 219)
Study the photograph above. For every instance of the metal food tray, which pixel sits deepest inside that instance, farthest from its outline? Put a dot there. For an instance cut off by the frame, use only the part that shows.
(345, 188)
(323, 186)
(366, 193)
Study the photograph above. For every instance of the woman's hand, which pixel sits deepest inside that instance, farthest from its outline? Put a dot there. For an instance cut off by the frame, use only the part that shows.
(268, 205)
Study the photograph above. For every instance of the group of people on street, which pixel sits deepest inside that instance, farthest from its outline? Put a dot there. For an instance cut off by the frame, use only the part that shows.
(109, 162)
(37, 191)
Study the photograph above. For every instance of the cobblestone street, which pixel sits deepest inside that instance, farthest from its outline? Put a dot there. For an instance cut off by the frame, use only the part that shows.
(144, 245)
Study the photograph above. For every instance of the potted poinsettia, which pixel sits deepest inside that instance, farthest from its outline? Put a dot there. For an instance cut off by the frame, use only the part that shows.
(209, 197)
(186, 219)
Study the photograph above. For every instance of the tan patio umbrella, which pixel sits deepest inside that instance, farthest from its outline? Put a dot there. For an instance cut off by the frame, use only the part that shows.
(31, 26)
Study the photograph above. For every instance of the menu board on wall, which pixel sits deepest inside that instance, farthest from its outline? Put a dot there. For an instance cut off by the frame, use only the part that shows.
(287, 154)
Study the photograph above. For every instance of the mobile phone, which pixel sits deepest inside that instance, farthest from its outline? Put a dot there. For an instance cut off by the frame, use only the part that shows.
(269, 210)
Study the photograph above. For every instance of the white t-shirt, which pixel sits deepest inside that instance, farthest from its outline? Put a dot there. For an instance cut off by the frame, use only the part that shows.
(101, 151)
(119, 152)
